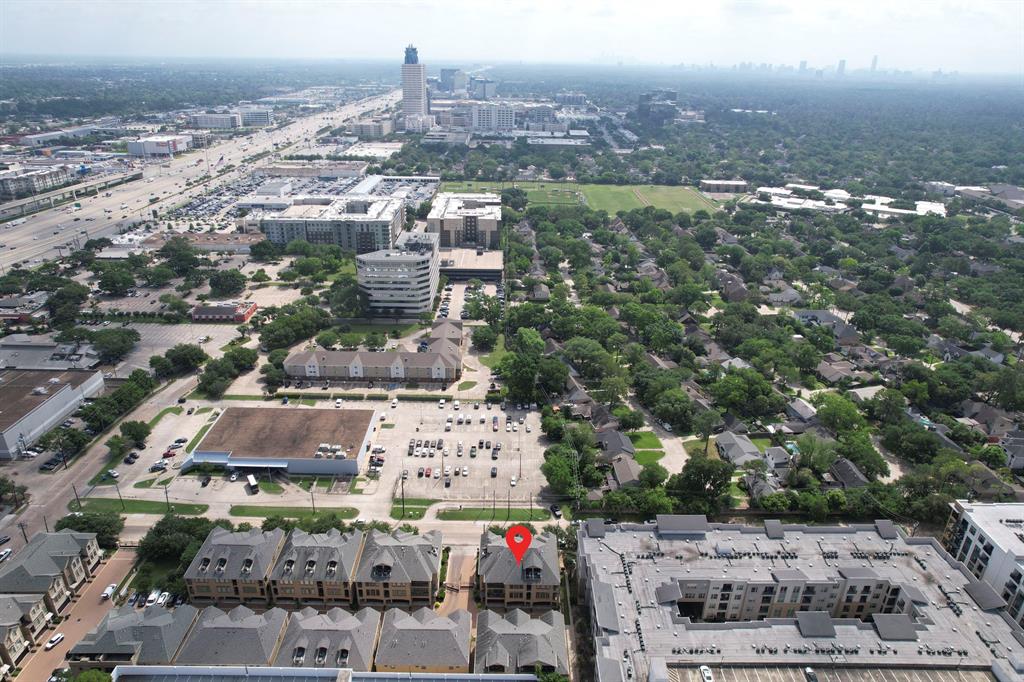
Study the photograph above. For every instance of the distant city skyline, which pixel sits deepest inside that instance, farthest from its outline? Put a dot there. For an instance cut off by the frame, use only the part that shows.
(984, 37)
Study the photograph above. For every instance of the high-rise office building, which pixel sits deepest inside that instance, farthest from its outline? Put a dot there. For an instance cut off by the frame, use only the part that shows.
(803, 65)
(874, 63)
(414, 85)
(841, 69)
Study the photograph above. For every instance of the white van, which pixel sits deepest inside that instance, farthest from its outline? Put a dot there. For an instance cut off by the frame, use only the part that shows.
(109, 591)
(440, 404)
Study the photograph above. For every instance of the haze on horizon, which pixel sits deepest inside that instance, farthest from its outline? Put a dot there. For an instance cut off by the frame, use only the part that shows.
(979, 36)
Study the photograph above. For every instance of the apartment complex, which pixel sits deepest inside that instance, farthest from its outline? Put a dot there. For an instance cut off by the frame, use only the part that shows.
(353, 222)
(440, 363)
(467, 220)
(236, 637)
(516, 643)
(299, 569)
(531, 584)
(400, 569)
(316, 568)
(127, 635)
(424, 642)
(53, 566)
(22, 620)
(373, 128)
(989, 540)
(23, 182)
(335, 639)
(216, 121)
(234, 568)
(401, 282)
(680, 591)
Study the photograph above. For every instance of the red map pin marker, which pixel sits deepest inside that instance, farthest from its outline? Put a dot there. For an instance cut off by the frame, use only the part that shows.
(518, 539)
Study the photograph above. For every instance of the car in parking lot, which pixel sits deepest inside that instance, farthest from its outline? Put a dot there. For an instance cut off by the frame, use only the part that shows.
(419, 473)
(205, 481)
(705, 674)
(556, 511)
(5, 555)
(112, 473)
(513, 481)
(437, 473)
(494, 472)
(159, 466)
(465, 470)
(162, 599)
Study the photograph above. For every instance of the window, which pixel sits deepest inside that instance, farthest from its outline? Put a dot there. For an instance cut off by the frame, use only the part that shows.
(221, 563)
(204, 564)
(289, 565)
(247, 566)
(310, 565)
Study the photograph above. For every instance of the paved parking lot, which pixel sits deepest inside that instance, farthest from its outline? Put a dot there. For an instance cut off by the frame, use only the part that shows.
(796, 674)
(157, 338)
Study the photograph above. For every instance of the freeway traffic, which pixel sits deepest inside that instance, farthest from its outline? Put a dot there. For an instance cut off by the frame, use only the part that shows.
(49, 233)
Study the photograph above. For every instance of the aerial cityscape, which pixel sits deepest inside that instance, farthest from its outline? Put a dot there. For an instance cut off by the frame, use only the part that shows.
(534, 342)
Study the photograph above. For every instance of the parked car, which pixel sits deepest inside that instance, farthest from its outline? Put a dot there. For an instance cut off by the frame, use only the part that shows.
(162, 599)
(4, 539)
(233, 477)
(6, 554)
(494, 472)
(54, 641)
(205, 481)
(556, 511)
(108, 592)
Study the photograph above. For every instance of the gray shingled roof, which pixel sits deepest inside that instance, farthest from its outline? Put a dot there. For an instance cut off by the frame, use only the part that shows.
(737, 449)
(347, 639)
(408, 557)
(43, 558)
(516, 641)
(302, 548)
(424, 638)
(497, 566)
(236, 637)
(13, 607)
(234, 551)
(153, 634)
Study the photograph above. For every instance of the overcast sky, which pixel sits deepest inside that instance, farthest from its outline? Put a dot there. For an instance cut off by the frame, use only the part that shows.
(980, 36)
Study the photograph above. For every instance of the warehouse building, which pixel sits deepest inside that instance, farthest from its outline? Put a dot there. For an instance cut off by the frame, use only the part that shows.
(680, 592)
(35, 401)
(322, 442)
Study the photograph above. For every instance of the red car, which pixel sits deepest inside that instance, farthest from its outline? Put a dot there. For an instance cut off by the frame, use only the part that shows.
(169, 453)
(427, 472)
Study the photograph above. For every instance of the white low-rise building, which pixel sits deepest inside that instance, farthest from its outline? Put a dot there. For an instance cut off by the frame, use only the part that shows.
(159, 145)
(401, 282)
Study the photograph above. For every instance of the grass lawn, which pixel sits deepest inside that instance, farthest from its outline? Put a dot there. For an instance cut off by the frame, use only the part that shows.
(164, 412)
(291, 512)
(496, 515)
(645, 440)
(307, 482)
(611, 198)
(415, 508)
(148, 483)
(156, 570)
(495, 356)
(387, 425)
(138, 506)
(197, 438)
(466, 385)
(243, 397)
(644, 457)
(695, 448)
(271, 487)
(308, 402)
(761, 443)
(402, 329)
(204, 410)
(165, 481)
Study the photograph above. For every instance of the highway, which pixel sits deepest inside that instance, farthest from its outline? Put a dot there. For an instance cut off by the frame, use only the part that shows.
(38, 238)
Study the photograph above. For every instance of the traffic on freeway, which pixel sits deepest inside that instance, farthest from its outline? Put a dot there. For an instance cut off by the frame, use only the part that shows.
(53, 232)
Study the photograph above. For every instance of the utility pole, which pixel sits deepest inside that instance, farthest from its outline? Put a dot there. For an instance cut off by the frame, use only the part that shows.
(46, 525)
(167, 498)
(77, 499)
(311, 499)
(402, 481)
(21, 525)
(118, 489)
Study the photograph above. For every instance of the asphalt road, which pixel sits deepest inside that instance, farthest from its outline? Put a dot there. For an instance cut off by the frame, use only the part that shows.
(40, 235)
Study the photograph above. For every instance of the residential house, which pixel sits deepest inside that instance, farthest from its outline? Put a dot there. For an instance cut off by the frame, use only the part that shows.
(624, 472)
(833, 369)
(22, 617)
(845, 334)
(759, 486)
(505, 583)
(992, 421)
(735, 363)
(54, 565)
(602, 419)
(236, 637)
(129, 636)
(540, 293)
(335, 639)
(424, 642)
(787, 296)
(736, 449)
(778, 460)
(846, 474)
(234, 568)
(860, 395)
(515, 642)
(801, 410)
(316, 568)
(613, 443)
(945, 349)
(1013, 445)
(400, 569)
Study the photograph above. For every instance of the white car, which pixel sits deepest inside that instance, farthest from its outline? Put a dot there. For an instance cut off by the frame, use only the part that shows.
(394, 403)
(455, 405)
(109, 591)
(4, 555)
(528, 429)
(112, 473)
(440, 404)
(465, 471)
(54, 641)
(162, 599)
(337, 402)
(705, 674)
(513, 481)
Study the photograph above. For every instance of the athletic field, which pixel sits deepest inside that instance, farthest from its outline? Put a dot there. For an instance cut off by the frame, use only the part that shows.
(611, 198)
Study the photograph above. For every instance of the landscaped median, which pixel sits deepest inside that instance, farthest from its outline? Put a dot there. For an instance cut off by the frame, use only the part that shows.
(103, 504)
(415, 508)
(258, 511)
(493, 514)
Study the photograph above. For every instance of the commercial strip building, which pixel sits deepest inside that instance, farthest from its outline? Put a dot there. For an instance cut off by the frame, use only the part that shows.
(159, 145)
(440, 363)
(208, 242)
(466, 220)
(23, 182)
(322, 442)
(35, 401)
(682, 592)
(989, 540)
(25, 308)
(357, 223)
(401, 282)
(325, 170)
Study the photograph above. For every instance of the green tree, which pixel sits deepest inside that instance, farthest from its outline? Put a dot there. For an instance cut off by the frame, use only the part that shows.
(116, 281)
(484, 338)
(136, 432)
(113, 344)
(106, 525)
(225, 283)
(837, 413)
(653, 475)
(701, 486)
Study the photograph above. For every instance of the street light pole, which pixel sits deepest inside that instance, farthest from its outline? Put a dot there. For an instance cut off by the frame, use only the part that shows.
(311, 499)
(167, 498)
(21, 525)
(118, 489)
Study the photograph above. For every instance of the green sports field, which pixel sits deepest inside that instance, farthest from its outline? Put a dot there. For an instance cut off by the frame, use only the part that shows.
(611, 198)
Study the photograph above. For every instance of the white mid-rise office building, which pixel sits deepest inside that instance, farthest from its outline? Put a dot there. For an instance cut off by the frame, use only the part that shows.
(256, 117)
(359, 223)
(215, 121)
(159, 145)
(989, 540)
(401, 282)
